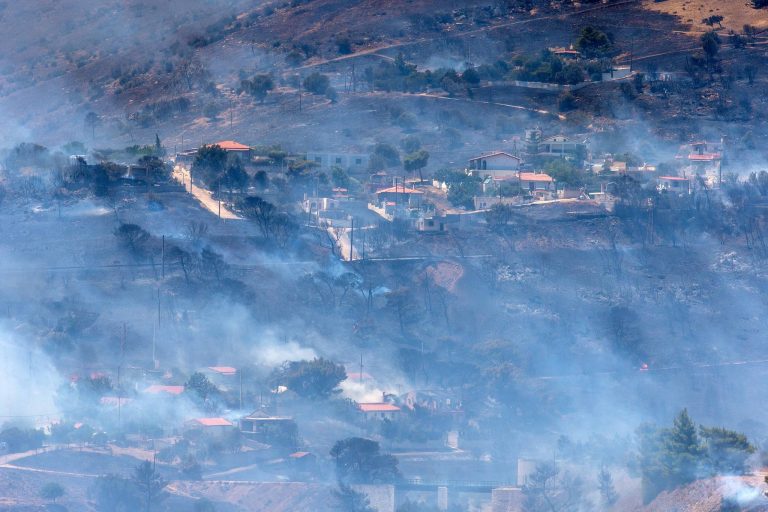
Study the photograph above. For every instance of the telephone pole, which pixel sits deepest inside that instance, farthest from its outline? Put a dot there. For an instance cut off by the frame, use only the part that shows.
(351, 237)
(163, 258)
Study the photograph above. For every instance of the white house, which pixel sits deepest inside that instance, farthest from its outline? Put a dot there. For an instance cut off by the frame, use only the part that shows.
(562, 146)
(497, 164)
(674, 184)
(346, 161)
(536, 181)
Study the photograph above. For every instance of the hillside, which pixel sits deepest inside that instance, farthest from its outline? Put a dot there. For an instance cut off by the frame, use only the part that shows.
(181, 73)
(577, 319)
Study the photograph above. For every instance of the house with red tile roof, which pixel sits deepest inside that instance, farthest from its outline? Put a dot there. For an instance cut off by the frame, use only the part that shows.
(378, 410)
(159, 389)
(215, 427)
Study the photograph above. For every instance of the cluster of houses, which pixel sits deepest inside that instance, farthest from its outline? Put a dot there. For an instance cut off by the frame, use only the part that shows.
(506, 176)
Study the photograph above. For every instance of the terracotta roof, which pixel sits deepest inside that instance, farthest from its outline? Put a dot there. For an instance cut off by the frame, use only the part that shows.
(230, 145)
(672, 178)
(213, 422)
(358, 376)
(378, 407)
(535, 176)
(224, 370)
(706, 157)
(399, 190)
(298, 455)
(495, 153)
(115, 401)
(156, 389)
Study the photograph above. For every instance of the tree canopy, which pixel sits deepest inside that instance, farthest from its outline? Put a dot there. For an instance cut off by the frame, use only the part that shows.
(359, 460)
(315, 379)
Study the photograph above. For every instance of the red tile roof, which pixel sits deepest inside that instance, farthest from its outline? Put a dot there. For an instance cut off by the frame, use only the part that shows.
(358, 376)
(399, 190)
(115, 401)
(706, 157)
(213, 422)
(534, 176)
(378, 407)
(224, 370)
(298, 455)
(672, 178)
(156, 389)
(230, 145)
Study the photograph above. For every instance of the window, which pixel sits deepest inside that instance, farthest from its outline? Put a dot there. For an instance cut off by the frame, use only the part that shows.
(338, 159)
(318, 160)
(359, 161)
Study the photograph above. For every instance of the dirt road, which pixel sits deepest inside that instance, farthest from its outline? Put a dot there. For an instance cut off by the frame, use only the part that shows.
(205, 197)
(376, 49)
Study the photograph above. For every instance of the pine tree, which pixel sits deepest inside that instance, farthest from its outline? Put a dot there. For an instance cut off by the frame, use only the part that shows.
(683, 450)
(608, 493)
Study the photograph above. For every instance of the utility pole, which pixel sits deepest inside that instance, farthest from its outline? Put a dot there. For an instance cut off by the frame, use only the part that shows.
(351, 236)
(231, 109)
(361, 368)
(119, 402)
(122, 344)
(240, 374)
(163, 258)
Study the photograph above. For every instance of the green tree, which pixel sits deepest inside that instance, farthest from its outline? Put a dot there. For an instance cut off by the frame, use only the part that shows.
(714, 19)
(549, 490)
(113, 493)
(416, 162)
(315, 379)
(52, 491)
(470, 76)
(593, 43)
(388, 152)
(201, 386)
(683, 450)
(566, 101)
(209, 164)
(726, 451)
(563, 171)
(317, 83)
(158, 146)
(669, 457)
(608, 493)
(340, 178)
(359, 460)
(410, 144)
(710, 43)
(259, 86)
(351, 500)
(149, 484)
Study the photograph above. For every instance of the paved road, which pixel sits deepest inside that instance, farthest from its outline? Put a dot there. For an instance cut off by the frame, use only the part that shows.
(204, 196)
